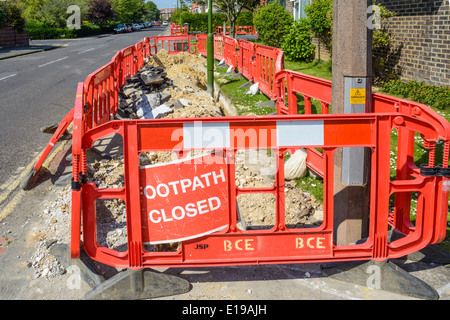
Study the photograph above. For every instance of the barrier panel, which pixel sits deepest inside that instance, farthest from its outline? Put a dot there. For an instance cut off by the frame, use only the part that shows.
(176, 30)
(246, 58)
(218, 47)
(241, 30)
(405, 167)
(139, 55)
(230, 52)
(128, 62)
(157, 212)
(268, 61)
(202, 41)
(172, 44)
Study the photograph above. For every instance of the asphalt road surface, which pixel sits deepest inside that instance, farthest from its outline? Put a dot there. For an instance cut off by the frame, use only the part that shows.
(38, 90)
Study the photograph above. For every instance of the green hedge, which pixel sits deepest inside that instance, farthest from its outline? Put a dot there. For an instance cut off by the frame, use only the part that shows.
(437, 97)
(42, 31)
(199, 21)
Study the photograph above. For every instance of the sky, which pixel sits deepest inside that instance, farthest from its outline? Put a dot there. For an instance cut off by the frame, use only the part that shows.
(162, 4)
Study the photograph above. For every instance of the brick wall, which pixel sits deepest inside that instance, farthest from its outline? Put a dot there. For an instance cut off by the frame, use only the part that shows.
(421, 37)
(10, 37)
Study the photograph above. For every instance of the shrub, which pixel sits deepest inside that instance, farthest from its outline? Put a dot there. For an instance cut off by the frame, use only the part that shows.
(437, 97)
(273, 23)
(297, 43)
(199, 21)
(320, 19)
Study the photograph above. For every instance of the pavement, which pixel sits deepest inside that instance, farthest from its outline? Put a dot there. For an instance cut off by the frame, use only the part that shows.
(36, 46)
(424, 275)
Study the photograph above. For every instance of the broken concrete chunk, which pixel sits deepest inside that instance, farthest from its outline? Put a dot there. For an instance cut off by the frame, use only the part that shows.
(150, 78)
(162, 111)
(177, 105)
(185, 102)
(165, 97)
(154, 99)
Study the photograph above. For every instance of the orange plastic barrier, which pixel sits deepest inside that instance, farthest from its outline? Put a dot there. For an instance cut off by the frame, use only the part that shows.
(241, 30)
(173, 44)
(268, 61)
(230, 52)
(219, 47)
(209, 216)
(176, 30)
(246, 58)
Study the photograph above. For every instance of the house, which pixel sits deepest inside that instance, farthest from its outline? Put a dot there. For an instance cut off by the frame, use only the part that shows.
(166, 14)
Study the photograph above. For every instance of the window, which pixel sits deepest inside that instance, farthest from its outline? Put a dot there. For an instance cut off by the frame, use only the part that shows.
(299, 8)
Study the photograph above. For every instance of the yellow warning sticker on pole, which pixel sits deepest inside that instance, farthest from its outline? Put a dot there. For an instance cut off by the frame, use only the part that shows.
(357, 96)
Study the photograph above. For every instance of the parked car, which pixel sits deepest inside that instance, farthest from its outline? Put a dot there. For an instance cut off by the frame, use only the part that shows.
(141, 25)
(165, 23)
(148, 24)
(130, 29)
(135, 27)
(121, 28)
(156, 23)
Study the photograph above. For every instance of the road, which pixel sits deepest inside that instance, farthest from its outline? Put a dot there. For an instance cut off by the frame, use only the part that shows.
(38, 90)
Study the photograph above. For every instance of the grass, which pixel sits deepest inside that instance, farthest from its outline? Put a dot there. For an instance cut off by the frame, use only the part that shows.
(247, 104)
(315, 68)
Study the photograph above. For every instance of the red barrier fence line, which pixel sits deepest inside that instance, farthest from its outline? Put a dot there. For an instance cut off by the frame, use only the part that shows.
(376, 130)
(96, 101)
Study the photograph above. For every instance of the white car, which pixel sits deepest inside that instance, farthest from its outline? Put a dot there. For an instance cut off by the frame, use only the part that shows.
(165, 23)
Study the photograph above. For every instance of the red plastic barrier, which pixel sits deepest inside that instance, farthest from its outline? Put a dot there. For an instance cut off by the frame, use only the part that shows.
(176, 30)
(219, 48)
(227, 242)
(128, 62)
(268, 61)
(140, 54)
(229, 52)
(241, 30)
(246, 58)
(172, 44)
(202, 44)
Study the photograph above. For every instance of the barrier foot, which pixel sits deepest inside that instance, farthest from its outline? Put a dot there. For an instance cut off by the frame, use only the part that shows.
(248, 84)
(138, 284)
(380, 275)
(26, 182)
(267, 104)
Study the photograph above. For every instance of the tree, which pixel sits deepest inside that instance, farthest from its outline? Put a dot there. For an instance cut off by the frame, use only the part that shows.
(273, 23)
(11, 16)
(233, 8)
(151, 12)
(128, 11)
(100, 11)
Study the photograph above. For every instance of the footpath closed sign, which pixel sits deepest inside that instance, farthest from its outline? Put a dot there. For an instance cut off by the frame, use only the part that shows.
(184, 199)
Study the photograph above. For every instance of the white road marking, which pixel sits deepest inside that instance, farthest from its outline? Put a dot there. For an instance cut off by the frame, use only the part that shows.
(86, 50)
(11, 75)
(45, 64)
